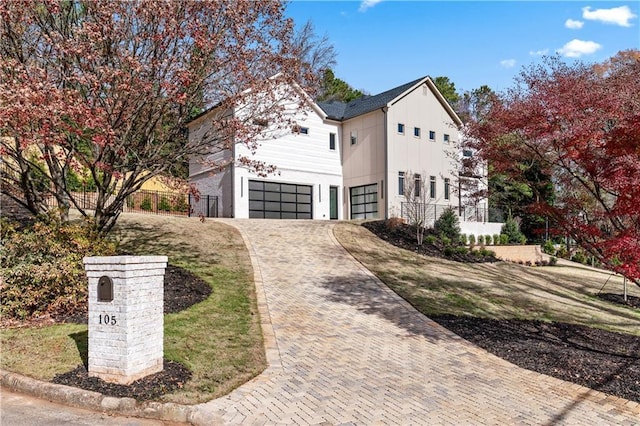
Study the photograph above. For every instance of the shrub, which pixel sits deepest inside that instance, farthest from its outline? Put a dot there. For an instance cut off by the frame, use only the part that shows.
(487, 239)
(164, 204)
(181, 204)
(579, 257)
(448, 224)
(131, 202)
(496, 239)
(511, 229)
(392, 223)
(549, 248)
(463, 239)
(485, 252)
(562, 251)
(449, 251)
(43, 270)
(446, 241)
(146, 203)
(462, 250)
(504, 239)
(553, 261)
(472, 239)
(431, 239)
(481, 240)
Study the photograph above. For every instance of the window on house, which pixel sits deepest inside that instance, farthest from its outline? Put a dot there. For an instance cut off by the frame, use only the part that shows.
(332, 141)
(300, 130)
(467, 153)
(446, 188)
(432, 186)
(416, 132)
(432, 135)
(446, 138)
(417, 181)
(401, 128)
(400, 183)
(354, 138)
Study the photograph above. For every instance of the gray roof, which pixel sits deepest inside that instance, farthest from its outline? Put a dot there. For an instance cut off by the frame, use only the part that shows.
(337, 110)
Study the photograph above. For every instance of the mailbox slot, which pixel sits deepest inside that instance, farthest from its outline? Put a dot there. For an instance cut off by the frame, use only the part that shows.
(105, 289)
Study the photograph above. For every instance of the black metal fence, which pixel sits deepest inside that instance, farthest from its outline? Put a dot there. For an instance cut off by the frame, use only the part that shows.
(154, 202)
(429, 213)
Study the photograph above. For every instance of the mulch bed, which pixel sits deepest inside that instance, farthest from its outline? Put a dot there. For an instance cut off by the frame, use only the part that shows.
(182, 289)
(595, 358)
(404, 236)
(598, 359)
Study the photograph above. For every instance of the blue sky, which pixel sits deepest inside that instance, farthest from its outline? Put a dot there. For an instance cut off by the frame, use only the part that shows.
(382, 44)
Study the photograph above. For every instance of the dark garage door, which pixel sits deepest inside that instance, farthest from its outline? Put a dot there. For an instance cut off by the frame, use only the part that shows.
(272, 200)
(364, 202)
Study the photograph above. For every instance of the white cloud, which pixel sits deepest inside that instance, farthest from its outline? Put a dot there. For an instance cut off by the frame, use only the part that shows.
(508, 63)
(574, 25)
(616, 15)
(576, 48)
(538, 52)
(366, 4)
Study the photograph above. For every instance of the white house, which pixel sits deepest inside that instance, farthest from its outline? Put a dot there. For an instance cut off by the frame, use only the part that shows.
(344, 160)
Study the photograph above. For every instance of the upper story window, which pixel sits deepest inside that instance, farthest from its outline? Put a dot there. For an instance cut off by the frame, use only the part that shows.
(354, 137)
(332, 141)
(467, 153)
(446, 138)
(432, 135)
(416, 132)
(300, 130)
(400, 183)
(401, 128)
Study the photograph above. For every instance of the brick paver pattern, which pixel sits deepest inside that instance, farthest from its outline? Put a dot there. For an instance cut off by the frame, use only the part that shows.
(344, 349)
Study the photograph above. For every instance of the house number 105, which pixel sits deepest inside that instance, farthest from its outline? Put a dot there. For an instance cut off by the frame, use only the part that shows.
(107, 319)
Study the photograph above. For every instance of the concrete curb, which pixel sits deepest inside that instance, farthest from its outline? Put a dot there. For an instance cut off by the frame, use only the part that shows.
(95, 401)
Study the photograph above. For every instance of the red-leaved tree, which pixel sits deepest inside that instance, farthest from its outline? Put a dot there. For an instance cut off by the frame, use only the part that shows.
(105, 88)
(581, 125)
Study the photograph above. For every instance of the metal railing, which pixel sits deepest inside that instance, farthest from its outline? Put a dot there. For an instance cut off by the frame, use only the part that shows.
(154, 202)
(429, 213)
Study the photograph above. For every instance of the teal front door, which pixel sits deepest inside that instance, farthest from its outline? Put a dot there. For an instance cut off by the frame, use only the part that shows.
(333, 202)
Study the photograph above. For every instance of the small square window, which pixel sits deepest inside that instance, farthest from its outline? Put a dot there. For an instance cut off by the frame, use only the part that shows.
(432, 135)
(416, 132)
(467, 153)
(401, 128)
(354, 138)
(300, 130)
(332, 141)
(446, 138)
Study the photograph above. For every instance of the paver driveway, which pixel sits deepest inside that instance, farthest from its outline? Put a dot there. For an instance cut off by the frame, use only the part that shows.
(344, 349)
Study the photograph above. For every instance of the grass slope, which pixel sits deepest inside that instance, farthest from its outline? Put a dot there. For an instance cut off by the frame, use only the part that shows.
(495, 291)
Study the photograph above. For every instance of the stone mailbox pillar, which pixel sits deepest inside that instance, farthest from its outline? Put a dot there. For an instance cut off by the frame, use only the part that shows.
(126, 298)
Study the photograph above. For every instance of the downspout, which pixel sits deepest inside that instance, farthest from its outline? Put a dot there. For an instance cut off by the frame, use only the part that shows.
(233, 176)
(386, 164)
